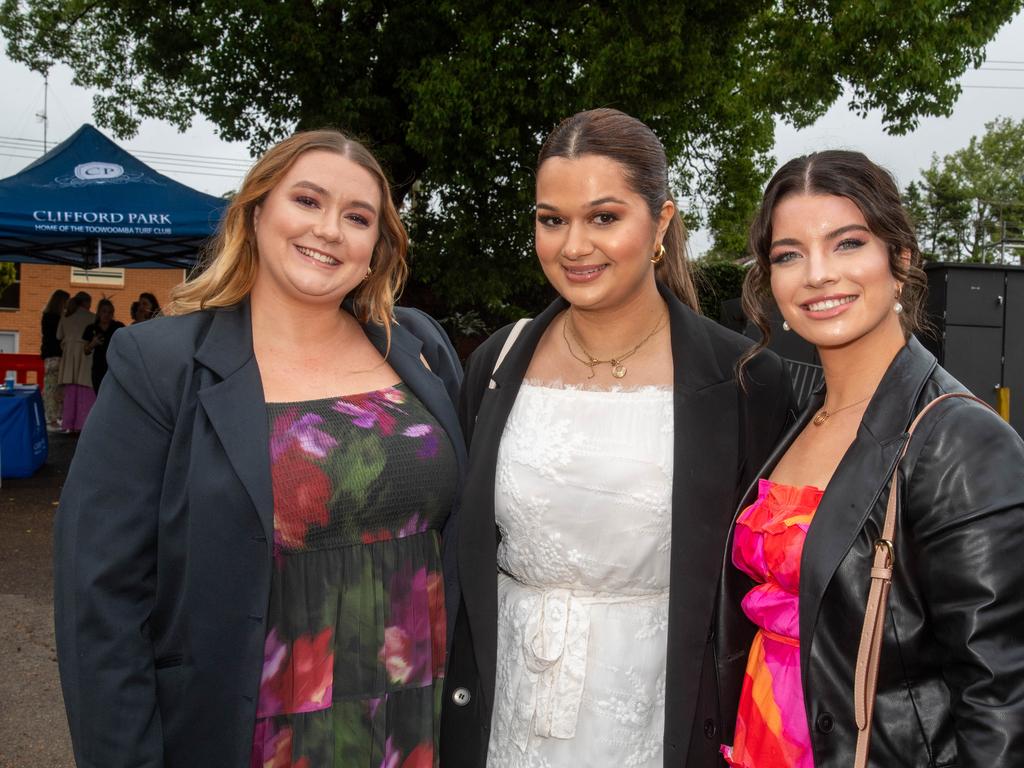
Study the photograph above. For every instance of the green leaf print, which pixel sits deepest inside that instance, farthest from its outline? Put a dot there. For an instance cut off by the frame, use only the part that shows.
(361, 463)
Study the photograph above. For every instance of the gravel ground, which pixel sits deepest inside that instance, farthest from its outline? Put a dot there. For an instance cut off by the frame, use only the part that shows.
(33, 730)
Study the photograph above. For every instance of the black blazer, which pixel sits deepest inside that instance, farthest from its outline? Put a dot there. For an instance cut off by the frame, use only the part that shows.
(951, 679)
(722, 435)
(163, 538)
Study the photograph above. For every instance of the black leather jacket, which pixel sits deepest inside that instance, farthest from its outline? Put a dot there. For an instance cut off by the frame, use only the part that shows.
(951, 681)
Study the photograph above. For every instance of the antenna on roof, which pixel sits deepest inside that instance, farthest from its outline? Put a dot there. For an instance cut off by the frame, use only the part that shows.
(42, 116)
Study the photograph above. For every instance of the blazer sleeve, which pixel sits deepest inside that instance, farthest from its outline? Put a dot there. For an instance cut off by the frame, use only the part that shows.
(966, 517)
(105, 569)
(766, 411)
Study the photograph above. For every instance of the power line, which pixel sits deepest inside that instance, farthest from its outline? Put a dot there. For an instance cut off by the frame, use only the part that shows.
(156, 154)
(160, 168)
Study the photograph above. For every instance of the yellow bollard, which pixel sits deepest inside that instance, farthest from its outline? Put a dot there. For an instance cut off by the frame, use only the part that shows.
(1003, 402)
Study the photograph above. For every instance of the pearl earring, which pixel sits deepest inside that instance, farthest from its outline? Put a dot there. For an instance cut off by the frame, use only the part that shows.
(785, 325)
(897, 308)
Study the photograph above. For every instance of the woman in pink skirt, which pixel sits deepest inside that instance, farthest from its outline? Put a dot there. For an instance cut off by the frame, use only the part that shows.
(75, 366)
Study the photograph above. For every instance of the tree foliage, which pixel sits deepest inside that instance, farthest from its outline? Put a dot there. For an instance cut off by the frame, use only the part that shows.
(8, 275)
(969, 205)
(717, 280)
(456, 97)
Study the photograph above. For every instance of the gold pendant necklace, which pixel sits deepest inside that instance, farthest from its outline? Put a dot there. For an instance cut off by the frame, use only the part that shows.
(618, 369)
(824, 414)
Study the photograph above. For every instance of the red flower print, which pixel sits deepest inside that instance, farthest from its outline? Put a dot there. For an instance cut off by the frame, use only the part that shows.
(421, 757)
(276, 750)
(396, 653)
(438, 620)
(371, 537)
(305, 682)
(301, 493)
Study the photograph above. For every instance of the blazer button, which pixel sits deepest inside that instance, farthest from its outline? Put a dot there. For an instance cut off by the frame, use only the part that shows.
(710, 730)
(825, 722)
(461, 697)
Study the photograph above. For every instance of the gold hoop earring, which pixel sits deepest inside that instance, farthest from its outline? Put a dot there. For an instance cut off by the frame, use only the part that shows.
(658, 255)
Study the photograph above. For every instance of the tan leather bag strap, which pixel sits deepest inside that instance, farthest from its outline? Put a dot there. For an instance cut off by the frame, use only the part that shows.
(866, 671)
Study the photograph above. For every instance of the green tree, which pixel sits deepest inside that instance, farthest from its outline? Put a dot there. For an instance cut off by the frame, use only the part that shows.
(455, 97)
(969, 205)
(8, 274)
(718, 280)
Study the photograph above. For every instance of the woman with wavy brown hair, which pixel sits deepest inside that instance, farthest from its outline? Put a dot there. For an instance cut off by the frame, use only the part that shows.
(835, 251)
(252, 572)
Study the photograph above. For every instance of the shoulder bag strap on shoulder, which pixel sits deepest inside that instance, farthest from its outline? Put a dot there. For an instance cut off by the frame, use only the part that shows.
(866, 672)
(509, 341)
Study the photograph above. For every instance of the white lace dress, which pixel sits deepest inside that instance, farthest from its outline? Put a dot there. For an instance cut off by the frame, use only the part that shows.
(583, 502)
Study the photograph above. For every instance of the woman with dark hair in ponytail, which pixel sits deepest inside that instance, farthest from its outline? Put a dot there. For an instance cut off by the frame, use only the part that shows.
(609, 443)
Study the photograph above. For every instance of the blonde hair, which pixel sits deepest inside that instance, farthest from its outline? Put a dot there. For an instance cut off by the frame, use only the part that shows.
(229, 266)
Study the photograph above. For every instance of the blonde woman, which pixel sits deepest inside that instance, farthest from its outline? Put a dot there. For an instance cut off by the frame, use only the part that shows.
(255, 579)
(75, 369)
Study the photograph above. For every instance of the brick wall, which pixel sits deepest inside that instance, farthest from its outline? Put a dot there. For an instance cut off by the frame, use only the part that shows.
(38, 281)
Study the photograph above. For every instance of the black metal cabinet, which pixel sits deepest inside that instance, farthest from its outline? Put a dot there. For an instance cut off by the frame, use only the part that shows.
(978, 315)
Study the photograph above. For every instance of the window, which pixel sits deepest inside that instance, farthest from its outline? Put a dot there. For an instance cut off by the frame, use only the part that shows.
(10, 297)
(8, 343)
(111, 276)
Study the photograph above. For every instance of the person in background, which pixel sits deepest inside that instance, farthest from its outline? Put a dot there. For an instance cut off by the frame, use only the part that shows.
(50, 351)
(148, 307)
(75, 373)
(608, 452)
(248, 549)
(97, 337)
(836, 252)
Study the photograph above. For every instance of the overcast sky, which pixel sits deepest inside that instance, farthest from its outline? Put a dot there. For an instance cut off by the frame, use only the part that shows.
(198, 158)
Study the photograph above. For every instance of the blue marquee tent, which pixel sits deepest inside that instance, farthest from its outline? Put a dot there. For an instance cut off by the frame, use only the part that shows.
(89, 203)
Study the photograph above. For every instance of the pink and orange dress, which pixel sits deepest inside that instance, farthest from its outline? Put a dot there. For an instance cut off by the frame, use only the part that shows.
(771, 724)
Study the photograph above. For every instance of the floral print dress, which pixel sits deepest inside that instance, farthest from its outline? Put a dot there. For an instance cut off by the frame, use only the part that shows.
(355, 647)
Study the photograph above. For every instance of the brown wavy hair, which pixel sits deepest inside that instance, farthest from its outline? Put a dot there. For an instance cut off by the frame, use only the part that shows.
(626, 140)
(230, 264)
(873, 190)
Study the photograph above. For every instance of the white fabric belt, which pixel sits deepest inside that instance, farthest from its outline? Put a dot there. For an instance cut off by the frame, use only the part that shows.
(555, 640)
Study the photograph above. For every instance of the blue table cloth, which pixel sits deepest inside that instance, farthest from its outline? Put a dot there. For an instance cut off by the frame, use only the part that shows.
(23, 443)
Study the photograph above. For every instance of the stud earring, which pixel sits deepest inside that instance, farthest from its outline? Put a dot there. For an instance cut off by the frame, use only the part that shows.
(785, 326)
(369, 271)
(658, 255)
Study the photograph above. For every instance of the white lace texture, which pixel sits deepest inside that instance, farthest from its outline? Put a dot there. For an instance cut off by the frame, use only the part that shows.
(583, 503)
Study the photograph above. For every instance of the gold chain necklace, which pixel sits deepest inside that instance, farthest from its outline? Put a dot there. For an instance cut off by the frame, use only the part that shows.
(824, 415)
(618, 369)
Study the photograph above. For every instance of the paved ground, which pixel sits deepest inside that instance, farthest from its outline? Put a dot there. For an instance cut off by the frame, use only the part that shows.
(33, 731)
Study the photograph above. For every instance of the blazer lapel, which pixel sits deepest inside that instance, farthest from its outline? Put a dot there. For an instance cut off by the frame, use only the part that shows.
(862, 475)
(706, 426)
(404, 358)
(477, 533)
(236, 407)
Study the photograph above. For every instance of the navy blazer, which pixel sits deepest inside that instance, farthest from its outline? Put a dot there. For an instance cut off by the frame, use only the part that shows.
(723, 434)
(163, 538)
